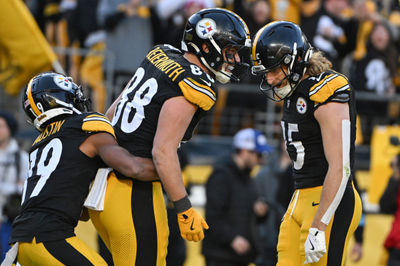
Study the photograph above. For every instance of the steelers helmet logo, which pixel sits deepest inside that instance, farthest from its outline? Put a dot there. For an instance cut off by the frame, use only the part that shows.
(205, 28)
(63, 82)
(301, 105)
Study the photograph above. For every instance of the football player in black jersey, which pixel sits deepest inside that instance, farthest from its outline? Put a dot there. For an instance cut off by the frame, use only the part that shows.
(170, 92)
(63, 161)
(319, 130)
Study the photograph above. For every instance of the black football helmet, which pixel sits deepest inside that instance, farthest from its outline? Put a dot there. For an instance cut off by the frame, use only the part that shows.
(218, 28)
(49, 95)
(276, 44)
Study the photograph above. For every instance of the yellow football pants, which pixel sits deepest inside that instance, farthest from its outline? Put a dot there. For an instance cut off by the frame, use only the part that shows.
(70, 251)
(297, 221)
(134, 224)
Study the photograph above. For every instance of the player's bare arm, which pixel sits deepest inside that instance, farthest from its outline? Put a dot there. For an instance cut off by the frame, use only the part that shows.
(104, 145)
(111, 109)
(330, 117)
(175, 117)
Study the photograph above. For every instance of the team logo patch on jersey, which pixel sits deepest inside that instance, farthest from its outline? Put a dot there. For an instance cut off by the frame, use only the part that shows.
(63, 82)
(205, 28)
(301, 105)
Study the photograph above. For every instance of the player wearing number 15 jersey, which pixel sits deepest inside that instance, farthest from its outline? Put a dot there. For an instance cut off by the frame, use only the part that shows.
(319, 130)
(160, 107)
(63, 161)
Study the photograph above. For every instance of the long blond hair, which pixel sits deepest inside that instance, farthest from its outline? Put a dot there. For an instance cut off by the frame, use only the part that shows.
(318, 63)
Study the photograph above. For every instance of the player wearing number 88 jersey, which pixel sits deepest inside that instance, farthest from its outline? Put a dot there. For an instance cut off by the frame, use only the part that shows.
(160, 107)
(63, 161)
(136, 115)
(318, 125)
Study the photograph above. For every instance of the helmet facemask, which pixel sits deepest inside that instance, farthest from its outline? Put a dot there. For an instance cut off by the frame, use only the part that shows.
(233, 62)
(292, 66)
(222, 62)
(56, 107)
(209, 33)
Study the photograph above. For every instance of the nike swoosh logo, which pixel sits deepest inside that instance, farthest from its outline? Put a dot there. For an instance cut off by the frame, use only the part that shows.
(191, 226)
(208, 83)
(312, 246)
(315, 204)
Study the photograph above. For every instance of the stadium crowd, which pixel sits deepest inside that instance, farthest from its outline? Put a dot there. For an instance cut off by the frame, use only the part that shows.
(360, 37)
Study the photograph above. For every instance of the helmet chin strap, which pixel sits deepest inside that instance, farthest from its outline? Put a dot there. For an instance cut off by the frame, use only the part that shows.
(46, 116)
(68, 109)
(284, 91)
(221, 76)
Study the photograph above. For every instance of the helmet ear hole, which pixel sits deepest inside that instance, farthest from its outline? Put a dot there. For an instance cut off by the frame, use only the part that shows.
(295, 77)
(287, 59)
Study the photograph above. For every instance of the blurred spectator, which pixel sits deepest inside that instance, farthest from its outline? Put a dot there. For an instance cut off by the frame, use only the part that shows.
(83, 28)
(81, 19)
(375, 73)
(53, 25)
(13, 169)
(259, 16)
(256, 14)
(389, 203)
(128, 36)
(233, 204)
(56, 29)
(365, 12)
(172, 15)
(285, 10)
(275, 186)
(36, 7)
(70, 35)
(52, 17)
(91, 70)
(11, 210)
(331, 29)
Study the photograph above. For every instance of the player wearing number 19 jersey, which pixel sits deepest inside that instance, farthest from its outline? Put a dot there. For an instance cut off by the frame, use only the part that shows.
(318, 125)
(63, 161)
(170, 92)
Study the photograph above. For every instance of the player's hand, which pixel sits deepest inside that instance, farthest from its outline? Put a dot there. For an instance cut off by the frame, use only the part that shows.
(191, 225)
(240, 245)
(356, 252)
(314, 246)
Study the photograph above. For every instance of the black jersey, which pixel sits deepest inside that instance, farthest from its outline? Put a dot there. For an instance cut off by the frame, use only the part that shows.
(163, 74)
(58, 179)
(302, 132)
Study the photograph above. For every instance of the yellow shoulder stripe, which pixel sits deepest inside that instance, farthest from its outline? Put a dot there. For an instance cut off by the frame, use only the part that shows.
(201, 86)
(201, 96)
(97, 123)
(329, 85)
(96, 115)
